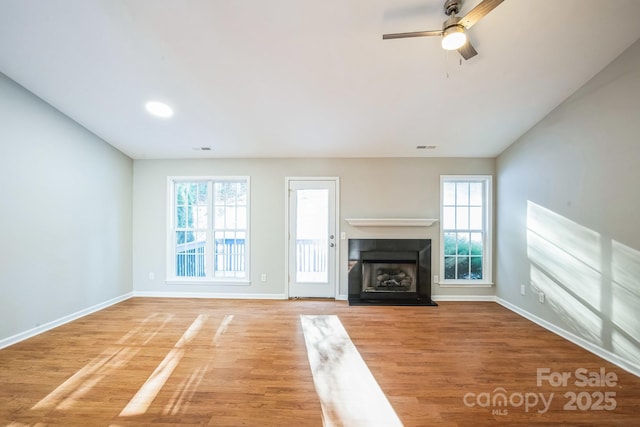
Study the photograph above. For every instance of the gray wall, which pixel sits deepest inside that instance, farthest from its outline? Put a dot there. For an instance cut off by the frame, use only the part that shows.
(369, 188)
(568, 204)
(65, 220)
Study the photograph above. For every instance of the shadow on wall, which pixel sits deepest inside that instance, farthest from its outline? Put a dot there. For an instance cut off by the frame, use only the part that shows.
(591, 282)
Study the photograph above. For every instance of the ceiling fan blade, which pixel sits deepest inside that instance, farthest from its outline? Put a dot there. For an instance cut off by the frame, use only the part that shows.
(478, 12)
(414, 34)
(467, 51)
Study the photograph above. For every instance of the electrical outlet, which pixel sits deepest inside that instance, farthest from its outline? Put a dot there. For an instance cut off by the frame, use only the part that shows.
(541, 297)
(263, 277)
(152, 275)
(436, 279)
(523, 289)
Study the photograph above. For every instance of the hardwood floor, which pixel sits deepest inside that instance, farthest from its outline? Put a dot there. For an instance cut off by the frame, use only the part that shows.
(244, 363)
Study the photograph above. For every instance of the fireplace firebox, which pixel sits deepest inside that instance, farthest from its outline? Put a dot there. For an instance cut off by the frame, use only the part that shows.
(390, 272)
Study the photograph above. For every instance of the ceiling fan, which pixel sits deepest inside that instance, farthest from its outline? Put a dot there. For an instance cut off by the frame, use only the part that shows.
(453, 29)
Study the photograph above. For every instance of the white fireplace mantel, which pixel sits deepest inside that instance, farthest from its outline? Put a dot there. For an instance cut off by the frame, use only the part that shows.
(390, 222)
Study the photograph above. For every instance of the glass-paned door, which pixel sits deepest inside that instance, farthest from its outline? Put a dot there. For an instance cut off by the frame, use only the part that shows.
(312, 238)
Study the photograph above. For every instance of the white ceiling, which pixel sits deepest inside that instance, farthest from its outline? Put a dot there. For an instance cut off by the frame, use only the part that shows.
(291, 78)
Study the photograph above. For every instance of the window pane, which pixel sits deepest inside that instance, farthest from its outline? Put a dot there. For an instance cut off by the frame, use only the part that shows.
(476, 243)
(475, 218)
(231, 202)
(219, 218)
(199, 254)
(449, 243)
(190, 217)
(226, 192)
(462, 193)
(190, 254)
(242, 218)
(462, 220)
(312, 230)
(181, 193)
(463, 267)
(449, 193)
(230, 218)
(181, 217)
(449, 220)
(476, 267)
(201, 217)
(218, 193)
(203, 194)
(475, 193)
(237, 193)
(230, 193)
(241, 192)
(312, 221)
(463, 243)
(229, 259)
(191, 201)
(192, 193)
(180, 237)
(449, 268)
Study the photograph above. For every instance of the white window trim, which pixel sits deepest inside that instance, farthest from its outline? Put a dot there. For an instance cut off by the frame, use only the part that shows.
(487, 254)
(171, 278)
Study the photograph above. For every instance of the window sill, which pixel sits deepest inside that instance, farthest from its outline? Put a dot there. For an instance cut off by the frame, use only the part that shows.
(214, 282)
(465, 284)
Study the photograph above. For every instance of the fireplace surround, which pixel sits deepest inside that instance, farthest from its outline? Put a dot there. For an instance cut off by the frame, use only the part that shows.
(390, 272)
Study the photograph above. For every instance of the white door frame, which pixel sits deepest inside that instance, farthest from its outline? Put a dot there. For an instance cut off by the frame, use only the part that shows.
(336, 272)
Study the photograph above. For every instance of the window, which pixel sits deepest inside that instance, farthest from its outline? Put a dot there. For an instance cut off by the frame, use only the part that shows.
(208, 229)
(465, 230)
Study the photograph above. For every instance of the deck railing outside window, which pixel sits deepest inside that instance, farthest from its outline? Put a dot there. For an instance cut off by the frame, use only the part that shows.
(190, 258)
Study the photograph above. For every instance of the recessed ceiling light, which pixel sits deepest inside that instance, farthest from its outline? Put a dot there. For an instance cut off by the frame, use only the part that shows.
(159, 109)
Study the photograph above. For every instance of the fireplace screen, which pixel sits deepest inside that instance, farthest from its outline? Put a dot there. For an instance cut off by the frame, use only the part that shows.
(388, 277)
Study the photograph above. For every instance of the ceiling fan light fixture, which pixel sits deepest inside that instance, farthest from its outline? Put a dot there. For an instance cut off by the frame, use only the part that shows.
(453, 38)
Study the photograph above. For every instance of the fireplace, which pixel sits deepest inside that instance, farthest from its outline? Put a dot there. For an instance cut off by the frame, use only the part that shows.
(390, 271)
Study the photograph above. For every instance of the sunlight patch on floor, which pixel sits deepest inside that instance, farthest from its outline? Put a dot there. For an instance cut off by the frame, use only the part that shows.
(222, 329)
(179, 402)
(149, 390)
(79, 384)
(144, 333)
(348, 392)
(69, 392)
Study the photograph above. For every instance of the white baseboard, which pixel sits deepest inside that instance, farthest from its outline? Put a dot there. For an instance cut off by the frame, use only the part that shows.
(207, 295)
(627, 365)
(480, 298)
(6, 342)
(217, 295)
